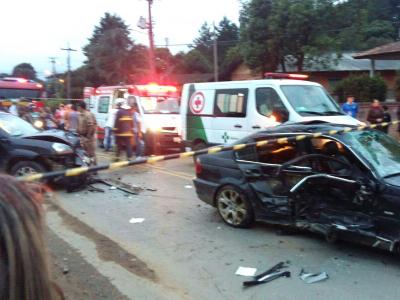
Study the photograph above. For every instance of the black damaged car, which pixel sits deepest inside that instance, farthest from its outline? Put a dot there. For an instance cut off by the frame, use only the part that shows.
(343, 186)
(25, 150)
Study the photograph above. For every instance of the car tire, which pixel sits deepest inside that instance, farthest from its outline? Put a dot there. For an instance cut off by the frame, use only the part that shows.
(27, 167)
(234, 207)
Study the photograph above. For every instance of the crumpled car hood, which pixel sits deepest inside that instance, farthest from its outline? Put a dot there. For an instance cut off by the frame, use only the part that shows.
(57, 136)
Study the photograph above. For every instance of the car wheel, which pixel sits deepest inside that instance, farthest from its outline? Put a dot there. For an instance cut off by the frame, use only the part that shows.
(234, 207)
(27, 167)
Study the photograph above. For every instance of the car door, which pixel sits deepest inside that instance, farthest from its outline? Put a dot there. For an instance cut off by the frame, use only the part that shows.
(336, 194)
(229, 123)
(261, 166)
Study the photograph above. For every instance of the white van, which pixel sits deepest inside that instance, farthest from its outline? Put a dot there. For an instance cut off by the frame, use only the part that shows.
(223, 112)
(158, 107)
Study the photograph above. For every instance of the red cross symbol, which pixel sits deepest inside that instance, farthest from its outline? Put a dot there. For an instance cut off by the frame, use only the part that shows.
(197, 103)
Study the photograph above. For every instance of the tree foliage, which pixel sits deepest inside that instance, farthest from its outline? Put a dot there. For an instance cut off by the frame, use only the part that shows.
(277, 32)
(24, 70)
(362, 87)
(108, 51)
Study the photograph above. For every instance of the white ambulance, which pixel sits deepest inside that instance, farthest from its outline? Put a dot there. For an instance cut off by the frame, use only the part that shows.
(224, 112)
(158, 106)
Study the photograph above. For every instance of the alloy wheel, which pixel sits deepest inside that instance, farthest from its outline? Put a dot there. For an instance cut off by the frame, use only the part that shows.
(232, 207)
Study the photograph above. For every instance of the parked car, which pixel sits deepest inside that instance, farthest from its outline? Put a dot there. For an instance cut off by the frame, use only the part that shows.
(25, 150)
(344, 186)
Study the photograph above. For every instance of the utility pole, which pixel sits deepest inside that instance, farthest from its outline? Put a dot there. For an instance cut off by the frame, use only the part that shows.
(53, 72)
(69, 49)
(215, 52)
(151, 42)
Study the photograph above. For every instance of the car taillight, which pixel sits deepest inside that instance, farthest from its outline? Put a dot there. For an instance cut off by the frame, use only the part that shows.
(198, 166)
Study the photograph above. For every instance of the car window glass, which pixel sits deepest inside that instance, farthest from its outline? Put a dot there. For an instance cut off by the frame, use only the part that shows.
(268, 102)
(248, 153)
(231, 103)
(103, 104)
(277, 153)
(340, 163)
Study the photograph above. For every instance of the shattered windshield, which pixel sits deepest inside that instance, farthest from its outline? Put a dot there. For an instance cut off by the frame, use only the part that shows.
(160, 105)
(15, 126)
(378, 149)
(310, 100)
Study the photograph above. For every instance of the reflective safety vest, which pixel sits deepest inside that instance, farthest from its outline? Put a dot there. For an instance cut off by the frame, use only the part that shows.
(123, 123)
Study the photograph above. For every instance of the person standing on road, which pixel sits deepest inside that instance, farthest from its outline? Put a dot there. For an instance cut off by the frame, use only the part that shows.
(137, 131)
(73, 118)
(123, 129)
(13, 108)
(59, 116)
(386, 118)
(108, 129)
(87, 129)
(350, 107)
(375, 113)
(67, 111)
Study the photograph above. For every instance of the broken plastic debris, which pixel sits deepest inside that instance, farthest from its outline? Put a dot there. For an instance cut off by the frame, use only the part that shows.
(245, 271)
(113, 187)
(313, 277)
(188, 186)
(136, 220)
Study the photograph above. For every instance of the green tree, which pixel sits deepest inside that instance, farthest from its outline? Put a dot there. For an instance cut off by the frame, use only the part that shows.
(108, 51)
(364, 88)
(255, 36)
(24, 70)
(277, 30)
(227, 39)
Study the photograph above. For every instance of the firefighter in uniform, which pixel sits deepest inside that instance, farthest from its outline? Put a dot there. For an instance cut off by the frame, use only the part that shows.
(86, 129)
(123, 128)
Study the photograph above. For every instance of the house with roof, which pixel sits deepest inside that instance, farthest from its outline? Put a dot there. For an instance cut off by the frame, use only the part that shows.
(340, 67)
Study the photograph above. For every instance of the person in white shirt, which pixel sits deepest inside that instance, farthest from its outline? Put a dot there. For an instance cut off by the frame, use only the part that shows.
(13, 109)
(108, 141)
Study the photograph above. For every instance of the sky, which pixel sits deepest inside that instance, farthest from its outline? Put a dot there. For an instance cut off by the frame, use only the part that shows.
(33, 31)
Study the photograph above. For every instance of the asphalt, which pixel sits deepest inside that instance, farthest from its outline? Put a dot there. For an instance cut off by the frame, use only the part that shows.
(182, 249)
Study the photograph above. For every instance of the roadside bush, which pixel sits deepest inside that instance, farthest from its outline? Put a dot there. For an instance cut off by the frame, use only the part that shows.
(362, 87)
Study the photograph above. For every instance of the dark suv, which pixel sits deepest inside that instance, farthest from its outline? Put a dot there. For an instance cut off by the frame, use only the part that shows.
(25, 150)
(344, 185)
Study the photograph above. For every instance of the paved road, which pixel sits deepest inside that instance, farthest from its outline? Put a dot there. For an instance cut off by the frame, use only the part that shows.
(182, 250)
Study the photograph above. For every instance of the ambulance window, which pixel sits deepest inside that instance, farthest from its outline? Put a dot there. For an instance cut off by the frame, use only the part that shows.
(230, 103)
(104, 102)
(269, 103)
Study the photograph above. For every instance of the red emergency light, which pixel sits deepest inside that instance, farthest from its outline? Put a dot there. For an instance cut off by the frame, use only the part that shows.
(155, 89)
(286, 76)
(22, 80)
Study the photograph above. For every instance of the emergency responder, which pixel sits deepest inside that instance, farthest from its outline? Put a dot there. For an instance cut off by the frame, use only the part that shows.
(86, 129)
(123, 129)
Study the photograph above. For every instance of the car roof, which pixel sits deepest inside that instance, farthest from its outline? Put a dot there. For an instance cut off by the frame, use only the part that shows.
(247, 83)
(299, 127)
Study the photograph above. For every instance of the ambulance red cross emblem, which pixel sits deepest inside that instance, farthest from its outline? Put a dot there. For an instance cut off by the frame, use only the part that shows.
(197, 102)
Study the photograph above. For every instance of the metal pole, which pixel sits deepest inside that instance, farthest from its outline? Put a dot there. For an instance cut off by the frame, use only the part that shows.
(151, 42)
(372, 71)
(53, 70)
(69, 49)
(215, 52)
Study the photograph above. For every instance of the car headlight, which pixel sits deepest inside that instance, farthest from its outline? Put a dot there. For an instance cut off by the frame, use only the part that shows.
(62, 148)
(38, 124)
(154, 127)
